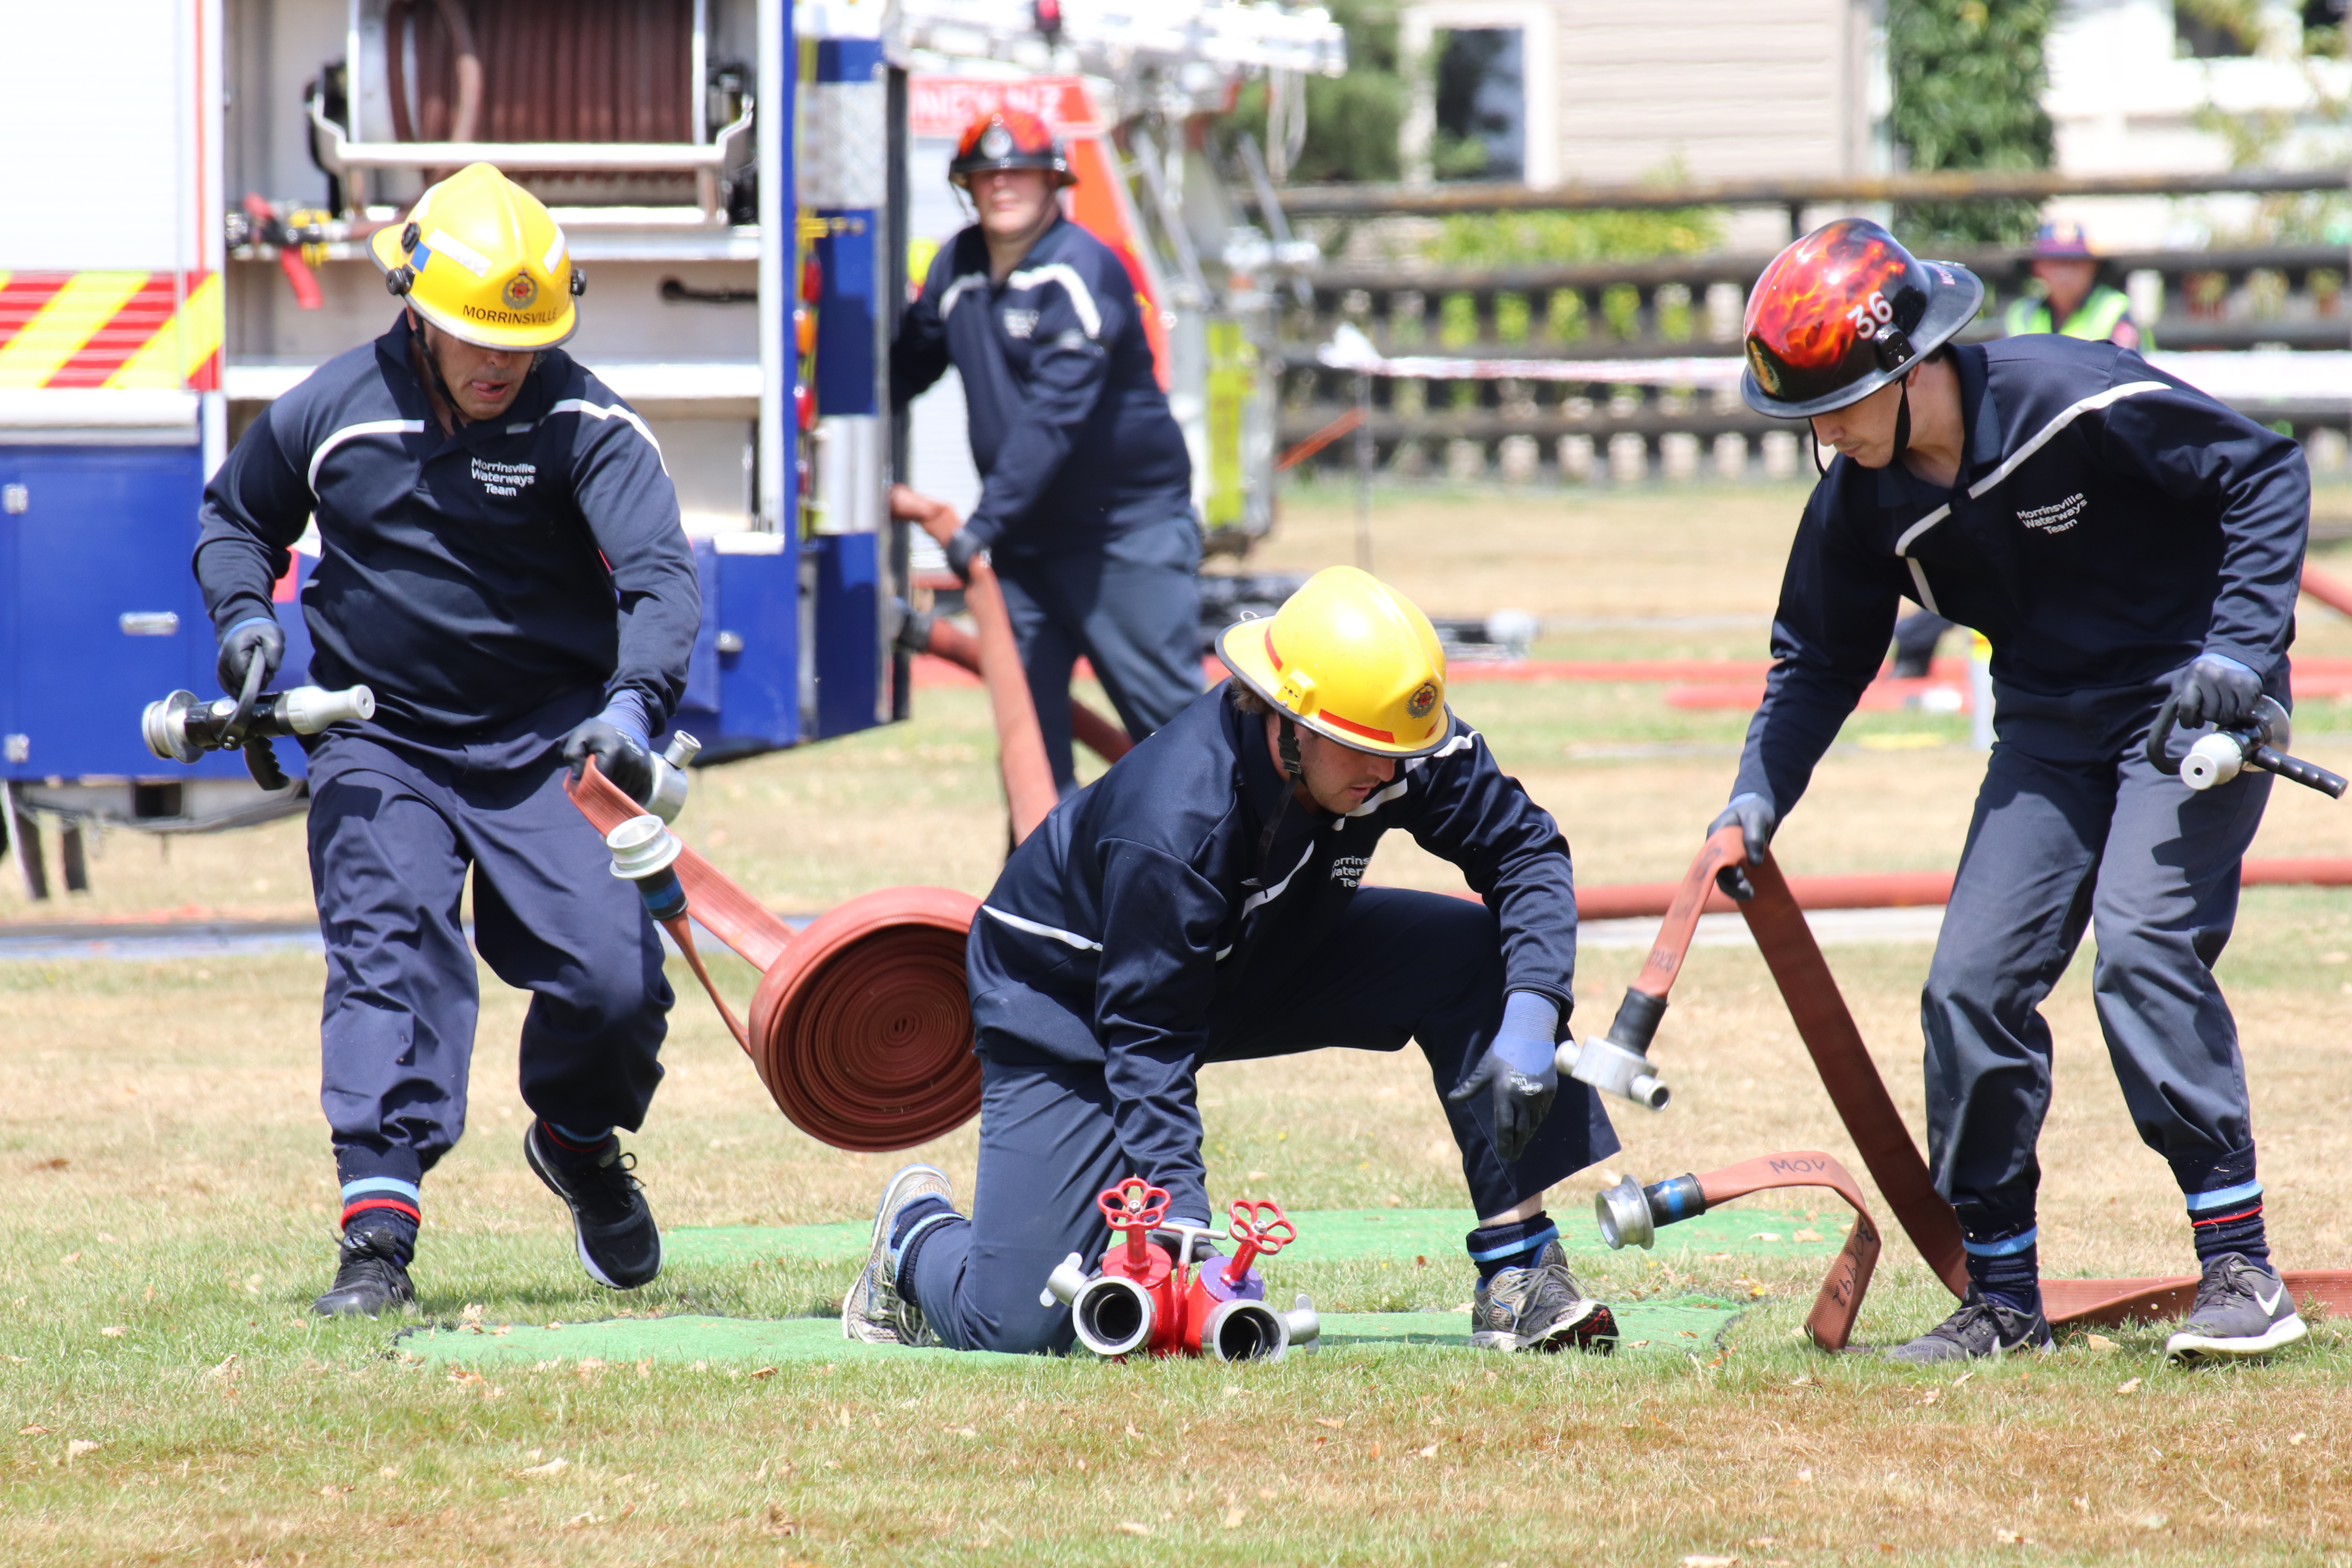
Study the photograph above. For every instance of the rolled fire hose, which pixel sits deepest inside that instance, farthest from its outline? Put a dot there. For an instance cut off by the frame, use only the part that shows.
(861, 1025)
(1868, 1111)
(860, 1028)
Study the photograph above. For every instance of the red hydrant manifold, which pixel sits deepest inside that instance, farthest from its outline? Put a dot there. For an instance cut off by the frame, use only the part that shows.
(1142, 1299)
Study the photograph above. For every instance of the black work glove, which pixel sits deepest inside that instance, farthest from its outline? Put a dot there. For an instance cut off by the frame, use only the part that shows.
(1517, 1070)
(620, 757)
(962, 548)
(1756, 821)
(2218, 690)
(255, 636)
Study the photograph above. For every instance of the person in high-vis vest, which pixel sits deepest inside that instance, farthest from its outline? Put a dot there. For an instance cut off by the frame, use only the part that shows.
(500, 560)
(2071, 300)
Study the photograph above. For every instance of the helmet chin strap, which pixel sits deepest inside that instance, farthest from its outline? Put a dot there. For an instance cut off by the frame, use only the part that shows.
(422, 352)
(1294, 773)
(1902, 424)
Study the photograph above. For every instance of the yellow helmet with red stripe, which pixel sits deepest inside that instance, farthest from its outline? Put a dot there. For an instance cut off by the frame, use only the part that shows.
(1351, 658)
(483, 260)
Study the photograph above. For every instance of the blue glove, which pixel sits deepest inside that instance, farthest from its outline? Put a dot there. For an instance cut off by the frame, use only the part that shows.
(2215, 689)
(1757, 820)
(1518, 1071)
(255, 636)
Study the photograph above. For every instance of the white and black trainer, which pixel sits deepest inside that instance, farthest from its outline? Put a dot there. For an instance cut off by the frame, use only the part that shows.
(1539, 1309)
(2242, 1308)
(873, 1312)
(1979, 1329)
(619, 1243)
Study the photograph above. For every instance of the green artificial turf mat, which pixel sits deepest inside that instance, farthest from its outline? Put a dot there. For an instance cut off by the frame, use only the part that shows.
(1645, 1326)
(1325, 1235)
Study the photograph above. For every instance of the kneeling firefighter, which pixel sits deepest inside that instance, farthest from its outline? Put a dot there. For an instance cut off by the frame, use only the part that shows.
(502, 561)
(2128, 545)
(1200, 903)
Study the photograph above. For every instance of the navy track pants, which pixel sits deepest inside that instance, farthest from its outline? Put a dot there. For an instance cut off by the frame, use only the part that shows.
(2074, 828)
(1132, 609)
(1396, 967)
(396, 822)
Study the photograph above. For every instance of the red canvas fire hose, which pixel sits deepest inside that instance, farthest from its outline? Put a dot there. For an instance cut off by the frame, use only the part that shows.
(948, 641)
(1619, 1060)
(861, 1025)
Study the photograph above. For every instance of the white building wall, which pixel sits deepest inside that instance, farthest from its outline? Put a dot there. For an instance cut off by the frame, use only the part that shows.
(2125, 103)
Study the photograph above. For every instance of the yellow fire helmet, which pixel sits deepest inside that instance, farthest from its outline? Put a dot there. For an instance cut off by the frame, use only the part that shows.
(483, 260)
(1351, 658)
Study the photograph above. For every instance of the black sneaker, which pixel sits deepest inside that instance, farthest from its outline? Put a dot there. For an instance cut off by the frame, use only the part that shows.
(2242, 1309)
(1539, 1309)
(369, 1281)
(620, 1246)
(1979, 1329)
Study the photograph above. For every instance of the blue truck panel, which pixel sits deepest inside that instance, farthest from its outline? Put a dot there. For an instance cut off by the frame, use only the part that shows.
(102, 614)
(848, 646)
(742, 683)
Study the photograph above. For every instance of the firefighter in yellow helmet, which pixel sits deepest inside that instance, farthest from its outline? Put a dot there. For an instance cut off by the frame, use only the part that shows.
(500, 558)
(1203, 902)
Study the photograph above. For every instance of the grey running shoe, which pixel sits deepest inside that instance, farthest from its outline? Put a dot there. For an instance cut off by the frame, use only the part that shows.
(1539, 1309)
(2242, 1309)
(873, 1312)
(1979, 1329)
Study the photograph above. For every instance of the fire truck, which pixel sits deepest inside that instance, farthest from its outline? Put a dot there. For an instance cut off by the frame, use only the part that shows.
(745, 183)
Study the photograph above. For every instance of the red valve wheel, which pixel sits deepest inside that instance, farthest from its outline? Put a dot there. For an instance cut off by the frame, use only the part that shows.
(1256, 1235)
(1133, 1204)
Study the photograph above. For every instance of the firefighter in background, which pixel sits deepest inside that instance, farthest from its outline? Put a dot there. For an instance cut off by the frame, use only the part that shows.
(1085, 505)
(500, 558)
(1200, 903)
(2073, 301)
(2121, 538)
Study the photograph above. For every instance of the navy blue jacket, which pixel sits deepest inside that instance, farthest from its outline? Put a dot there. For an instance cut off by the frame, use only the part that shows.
(468, 579)
(2115, 524)
(1069, 428)
(1139, 902)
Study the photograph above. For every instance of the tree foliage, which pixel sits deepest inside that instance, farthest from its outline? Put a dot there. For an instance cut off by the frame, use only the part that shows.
(1353, 121)
(1968, 77)
(1504, 239)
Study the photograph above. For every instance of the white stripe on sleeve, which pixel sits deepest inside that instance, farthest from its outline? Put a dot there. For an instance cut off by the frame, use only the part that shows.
(352, 433)
(1073, 285)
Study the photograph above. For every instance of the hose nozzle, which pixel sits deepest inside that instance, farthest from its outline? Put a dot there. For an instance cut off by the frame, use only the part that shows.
(666, 798)
(1630, 1213)
(1618, 1062)
(645, 851)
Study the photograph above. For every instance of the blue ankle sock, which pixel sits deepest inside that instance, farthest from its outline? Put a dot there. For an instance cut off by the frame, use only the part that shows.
(387, 1208)
(912, 1212)
(2005, 1263)
(574, 1149)
(908, 1233)
(2225, 1207)
(1514, 1244)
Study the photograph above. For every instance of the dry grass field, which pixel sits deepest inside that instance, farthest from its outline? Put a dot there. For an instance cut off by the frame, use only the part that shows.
(168, 1205)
